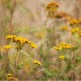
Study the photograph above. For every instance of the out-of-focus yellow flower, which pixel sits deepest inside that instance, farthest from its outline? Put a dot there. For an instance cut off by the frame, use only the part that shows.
(37, 62)
(8, 75)
(10, 37)
(73, 22)
(51, 8)
(33, 45)
(62, 46)
(40, 35)
(20, 40)
(74, 30)
(79, 33)
(7, 47)
(62, 57)
(64, 28)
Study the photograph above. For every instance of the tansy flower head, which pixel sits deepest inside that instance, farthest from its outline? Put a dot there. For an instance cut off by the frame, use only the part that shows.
(64, 28)
(62, 57)
(7, 47)
(74, 30)
(62, 46)
(20, 40)
(61, 15)
(51, 9)
(79, 33)
(10, 37)
(73, 22)
(33, 45)
(37, 62)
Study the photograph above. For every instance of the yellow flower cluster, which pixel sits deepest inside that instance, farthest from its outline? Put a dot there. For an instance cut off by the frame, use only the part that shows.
(7, 47)
(33, 45)
(37, 62)
(52, 8)
(79, 34)
(10, 37)
(75, 21)
(62, 46)
(62, 57)
(74, 30)
(21, 41)
(64, 28)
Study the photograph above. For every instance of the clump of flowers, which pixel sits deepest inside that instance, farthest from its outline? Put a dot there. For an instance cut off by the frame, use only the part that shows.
(7, 47)
(51, 8)
(73, 22)
(21, 41)
(62, 57)
(10, 37)
(62, 46)
(74, 30)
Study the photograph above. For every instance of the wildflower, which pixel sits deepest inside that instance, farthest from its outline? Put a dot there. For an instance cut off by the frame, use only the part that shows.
(8, 75)
(62, 57)
(62, 46)
(37, 62)
(7, 47)
(51, 9)
(20, 40)
(74, 30)
(10, 37)
(73, 22)
(64, 28)
(79, 33)
(33, 45)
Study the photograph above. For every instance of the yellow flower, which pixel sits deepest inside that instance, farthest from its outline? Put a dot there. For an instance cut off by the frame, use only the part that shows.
(7, 47)
(73, 21)
(62, 57)
(20, 40)
(79, 33)
(62, 46)
(8, 75)
(74, 30)
(33, 45)
(51, 8)
(10, 37)
(37, 62)
(64, 28)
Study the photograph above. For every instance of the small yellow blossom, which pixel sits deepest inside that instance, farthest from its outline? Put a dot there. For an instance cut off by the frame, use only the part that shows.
(73, 22)
(64, 28)
(37, 62)
(62, 46)
(10, 37)
(20, 40)
(79, 33)
(74, 30)
(7, 47)
(62, 57)
(51, 8)
(8, 75)
(33, 45)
